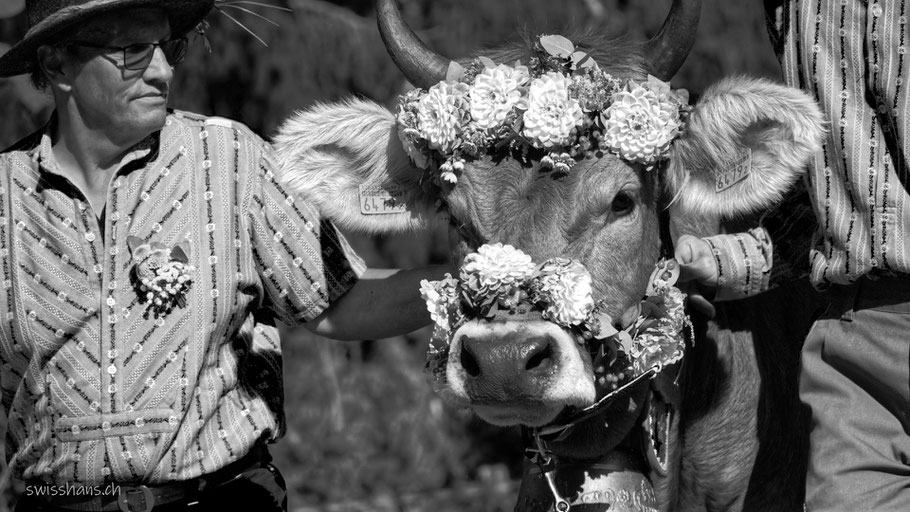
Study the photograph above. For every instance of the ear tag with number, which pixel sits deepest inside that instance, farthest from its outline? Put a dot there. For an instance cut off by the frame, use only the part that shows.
(734, 171)
(381, 199)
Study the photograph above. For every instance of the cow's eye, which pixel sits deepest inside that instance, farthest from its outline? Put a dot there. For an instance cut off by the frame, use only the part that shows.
(622, 203)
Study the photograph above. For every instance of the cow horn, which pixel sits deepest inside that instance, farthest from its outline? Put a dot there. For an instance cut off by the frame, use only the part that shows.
(421, 66)
(668, 49)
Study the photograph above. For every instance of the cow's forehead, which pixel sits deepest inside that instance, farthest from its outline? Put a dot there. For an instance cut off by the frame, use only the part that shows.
(542, 211)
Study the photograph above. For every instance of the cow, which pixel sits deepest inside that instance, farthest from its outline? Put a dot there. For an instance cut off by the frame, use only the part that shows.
(718, 429)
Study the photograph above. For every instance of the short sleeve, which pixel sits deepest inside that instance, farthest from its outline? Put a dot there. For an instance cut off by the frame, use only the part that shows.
(304, 262)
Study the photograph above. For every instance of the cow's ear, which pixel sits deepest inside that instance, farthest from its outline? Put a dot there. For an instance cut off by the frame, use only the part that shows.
(747, 141)
(347, 160)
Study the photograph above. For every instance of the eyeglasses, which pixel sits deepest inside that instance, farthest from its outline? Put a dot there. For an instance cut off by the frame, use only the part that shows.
(137, 57)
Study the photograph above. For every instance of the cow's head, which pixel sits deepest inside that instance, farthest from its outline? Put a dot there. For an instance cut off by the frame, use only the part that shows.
(372, 170)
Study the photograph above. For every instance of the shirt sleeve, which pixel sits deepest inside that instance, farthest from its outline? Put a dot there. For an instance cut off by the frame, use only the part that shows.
(744, 262)
(304, 262)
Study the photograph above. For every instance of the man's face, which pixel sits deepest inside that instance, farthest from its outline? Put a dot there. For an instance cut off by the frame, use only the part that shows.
(127, 104)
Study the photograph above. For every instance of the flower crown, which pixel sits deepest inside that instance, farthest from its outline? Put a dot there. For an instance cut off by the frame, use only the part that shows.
(559, 109)
(500, 277)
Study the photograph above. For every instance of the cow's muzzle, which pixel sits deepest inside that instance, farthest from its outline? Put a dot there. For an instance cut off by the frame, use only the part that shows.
(518, 372)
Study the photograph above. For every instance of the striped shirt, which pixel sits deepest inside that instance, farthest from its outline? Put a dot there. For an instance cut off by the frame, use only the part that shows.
(99, 384)
(851, 55)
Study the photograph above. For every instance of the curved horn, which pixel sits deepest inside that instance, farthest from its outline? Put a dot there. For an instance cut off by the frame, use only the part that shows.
(421, 66)
(668, 49)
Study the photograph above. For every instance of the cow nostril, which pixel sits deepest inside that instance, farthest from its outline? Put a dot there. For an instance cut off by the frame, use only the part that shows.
(540, 359)
(469, 363)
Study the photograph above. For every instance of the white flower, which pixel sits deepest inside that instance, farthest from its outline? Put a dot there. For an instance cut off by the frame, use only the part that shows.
(640, 124)
(442, 115)
(496, 91)
(408, 132)
(552, 114)
(441, 298)
(656, 347)
(494, 271)
(564, 287)
(662, 343)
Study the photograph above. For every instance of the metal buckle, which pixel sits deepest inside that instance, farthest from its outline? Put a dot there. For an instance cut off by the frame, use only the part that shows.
(126, 504)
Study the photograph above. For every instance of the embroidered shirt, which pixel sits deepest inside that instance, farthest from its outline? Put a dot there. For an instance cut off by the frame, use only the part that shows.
(100, 386)
(852, 57)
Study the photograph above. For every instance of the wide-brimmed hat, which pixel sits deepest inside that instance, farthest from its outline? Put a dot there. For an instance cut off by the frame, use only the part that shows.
(48, 18)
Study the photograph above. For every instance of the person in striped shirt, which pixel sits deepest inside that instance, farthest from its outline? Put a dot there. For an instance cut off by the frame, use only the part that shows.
(855, 377)
(146, 256)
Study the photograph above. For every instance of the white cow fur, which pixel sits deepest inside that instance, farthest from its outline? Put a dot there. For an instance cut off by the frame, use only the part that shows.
(783, 126)
(326, 152)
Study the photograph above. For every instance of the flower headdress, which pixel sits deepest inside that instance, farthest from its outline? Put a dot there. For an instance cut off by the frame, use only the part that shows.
(559, 109)
(501, 277)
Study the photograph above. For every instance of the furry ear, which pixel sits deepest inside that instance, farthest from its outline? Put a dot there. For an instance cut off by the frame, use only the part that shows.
(747, 142)
(347, 160)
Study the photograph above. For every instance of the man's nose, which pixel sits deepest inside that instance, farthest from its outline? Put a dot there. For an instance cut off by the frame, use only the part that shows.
(159, 68)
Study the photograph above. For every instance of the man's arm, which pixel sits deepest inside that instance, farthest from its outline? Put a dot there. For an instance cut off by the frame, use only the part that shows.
(383, 303)
(730, 266)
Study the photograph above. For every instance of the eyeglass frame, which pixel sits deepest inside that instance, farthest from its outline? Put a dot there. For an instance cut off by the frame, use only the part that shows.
(145, 61)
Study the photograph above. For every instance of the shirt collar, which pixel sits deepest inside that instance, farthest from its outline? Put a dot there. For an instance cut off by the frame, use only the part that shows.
(142, 152)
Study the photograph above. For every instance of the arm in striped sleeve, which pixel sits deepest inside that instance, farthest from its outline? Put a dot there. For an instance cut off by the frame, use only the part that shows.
(744, 262)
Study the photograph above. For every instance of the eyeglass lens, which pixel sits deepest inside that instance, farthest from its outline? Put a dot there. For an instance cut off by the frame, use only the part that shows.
(138, 56)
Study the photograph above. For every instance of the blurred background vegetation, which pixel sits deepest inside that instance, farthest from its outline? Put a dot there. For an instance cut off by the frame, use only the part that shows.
(366, 433)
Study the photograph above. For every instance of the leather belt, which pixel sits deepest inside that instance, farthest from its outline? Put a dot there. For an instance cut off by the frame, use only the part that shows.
(132, 497)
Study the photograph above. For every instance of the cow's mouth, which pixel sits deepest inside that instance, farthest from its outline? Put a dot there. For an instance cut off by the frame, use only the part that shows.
(536, 415)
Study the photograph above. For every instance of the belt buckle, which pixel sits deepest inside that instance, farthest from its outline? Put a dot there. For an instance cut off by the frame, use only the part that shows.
(126, 504)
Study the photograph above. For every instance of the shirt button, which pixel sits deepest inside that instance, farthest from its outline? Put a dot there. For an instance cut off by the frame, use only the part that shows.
(876, 9)
(112, 369)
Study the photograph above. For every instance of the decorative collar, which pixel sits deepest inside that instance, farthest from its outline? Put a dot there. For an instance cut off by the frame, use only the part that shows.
(557, 110)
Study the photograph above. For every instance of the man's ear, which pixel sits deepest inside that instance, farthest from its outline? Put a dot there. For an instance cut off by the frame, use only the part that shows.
(346, 158)
(58, 69)
(747, 141)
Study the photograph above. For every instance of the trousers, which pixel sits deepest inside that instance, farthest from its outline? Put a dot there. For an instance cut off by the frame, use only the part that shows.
(855, 379)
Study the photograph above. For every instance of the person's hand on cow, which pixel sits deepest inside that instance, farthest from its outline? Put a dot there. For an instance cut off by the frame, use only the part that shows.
(696, 262)
(698, 274)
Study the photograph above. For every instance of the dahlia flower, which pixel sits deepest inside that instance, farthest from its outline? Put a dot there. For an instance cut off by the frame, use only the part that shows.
(496, 91)
(442, 115)
(552, 114)
(564, 286)
(639, 126)
(494, 271)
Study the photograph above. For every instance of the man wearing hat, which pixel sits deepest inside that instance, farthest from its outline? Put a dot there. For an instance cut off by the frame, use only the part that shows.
(145, 256)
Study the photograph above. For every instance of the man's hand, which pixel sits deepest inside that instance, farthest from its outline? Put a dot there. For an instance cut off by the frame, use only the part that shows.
(697, 272)
(696, 262)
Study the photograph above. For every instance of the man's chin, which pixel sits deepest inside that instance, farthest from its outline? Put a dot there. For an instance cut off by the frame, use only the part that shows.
(530, 416)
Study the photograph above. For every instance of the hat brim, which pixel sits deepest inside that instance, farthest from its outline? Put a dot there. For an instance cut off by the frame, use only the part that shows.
(183, 15)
